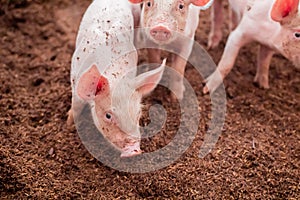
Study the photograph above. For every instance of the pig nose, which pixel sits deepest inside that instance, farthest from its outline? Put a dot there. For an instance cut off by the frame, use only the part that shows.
(160, 33)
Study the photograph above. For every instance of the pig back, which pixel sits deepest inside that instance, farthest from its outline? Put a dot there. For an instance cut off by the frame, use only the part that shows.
(105, 34)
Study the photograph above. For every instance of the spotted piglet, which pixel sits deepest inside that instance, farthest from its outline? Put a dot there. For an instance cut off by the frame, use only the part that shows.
(274, 24)
(103, 74)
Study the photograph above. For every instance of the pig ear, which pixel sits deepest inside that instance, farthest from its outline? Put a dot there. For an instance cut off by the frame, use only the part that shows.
(135, 1)
(146, 82)
(283, 8)
(91, 84)
(203, 4)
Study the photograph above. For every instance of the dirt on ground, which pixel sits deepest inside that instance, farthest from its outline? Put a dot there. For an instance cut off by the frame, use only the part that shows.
(256, 157)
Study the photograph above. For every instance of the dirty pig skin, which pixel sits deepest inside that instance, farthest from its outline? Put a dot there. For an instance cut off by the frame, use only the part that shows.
(103, 74)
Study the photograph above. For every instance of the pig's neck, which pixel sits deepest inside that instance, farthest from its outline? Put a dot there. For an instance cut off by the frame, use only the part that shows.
(124, 66)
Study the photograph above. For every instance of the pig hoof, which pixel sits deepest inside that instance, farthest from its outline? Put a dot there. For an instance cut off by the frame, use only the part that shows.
(214, 40)
(261, 82)
(205, 90)
(70, 121)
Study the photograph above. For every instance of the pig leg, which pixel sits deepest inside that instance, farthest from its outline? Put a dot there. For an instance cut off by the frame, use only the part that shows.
(154, 60)
(179, 62)
(74, 111)
(176, 81)
(70, 119)
(234, 19)
(263, 63)
(235, 41)
(154, 56)
(215, 34)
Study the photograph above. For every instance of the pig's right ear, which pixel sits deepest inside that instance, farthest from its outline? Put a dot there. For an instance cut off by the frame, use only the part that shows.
(135, 1)
(283, 9)
(146, 82)
(92, 84)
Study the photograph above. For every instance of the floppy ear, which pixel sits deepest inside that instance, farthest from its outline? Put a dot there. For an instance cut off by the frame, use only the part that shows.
(147, 82)
(91, 83)
(203, 4)
(135, 1)
(283, 9)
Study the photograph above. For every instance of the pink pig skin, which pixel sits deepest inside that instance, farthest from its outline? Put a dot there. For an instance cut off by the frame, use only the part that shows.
(103, 57)
(163, 20)
(274, 24)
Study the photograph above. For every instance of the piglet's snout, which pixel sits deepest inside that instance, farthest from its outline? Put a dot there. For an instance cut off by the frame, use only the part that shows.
(160, 33)
(131, 150)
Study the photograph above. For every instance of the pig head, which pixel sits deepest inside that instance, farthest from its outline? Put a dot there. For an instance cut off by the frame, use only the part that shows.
(116, 105)
(163, 18)
(287, 13)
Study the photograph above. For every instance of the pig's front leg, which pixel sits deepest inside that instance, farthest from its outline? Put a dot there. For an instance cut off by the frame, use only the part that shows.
(154, 56)
(74, 111)
(179, 62)
(235, 41)
(234, 19)
(176, 80)
(216, 15)
(263, 63)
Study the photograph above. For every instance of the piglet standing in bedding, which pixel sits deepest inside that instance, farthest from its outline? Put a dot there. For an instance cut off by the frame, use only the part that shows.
(274, 24)
(103, 58)
(162, 21)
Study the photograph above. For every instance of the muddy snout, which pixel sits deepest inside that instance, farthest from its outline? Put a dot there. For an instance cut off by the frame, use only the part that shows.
(160, 33)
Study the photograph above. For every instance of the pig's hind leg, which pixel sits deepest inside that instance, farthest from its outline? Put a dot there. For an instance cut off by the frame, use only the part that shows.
(263, 64)
(216, 15)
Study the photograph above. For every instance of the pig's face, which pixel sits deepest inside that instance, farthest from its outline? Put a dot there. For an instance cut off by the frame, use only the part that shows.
(163, 18)
(116, 110)
(287, 13)
(291, 42)
(117, 115)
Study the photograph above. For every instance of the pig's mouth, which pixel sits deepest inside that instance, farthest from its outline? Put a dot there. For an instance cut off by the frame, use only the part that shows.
(131, 150)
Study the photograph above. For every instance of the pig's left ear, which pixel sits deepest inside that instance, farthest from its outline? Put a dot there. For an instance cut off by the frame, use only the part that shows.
(203, 4)
(146, 82)
(283, 9)
(91, 83)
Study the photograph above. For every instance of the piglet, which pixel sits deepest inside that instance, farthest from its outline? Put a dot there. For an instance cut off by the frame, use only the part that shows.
(103, 74)
(274, 24)
(164, 21)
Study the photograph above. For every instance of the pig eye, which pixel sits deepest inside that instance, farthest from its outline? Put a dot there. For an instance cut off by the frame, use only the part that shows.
(108, 116)
(149, 4)
(297, 35)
